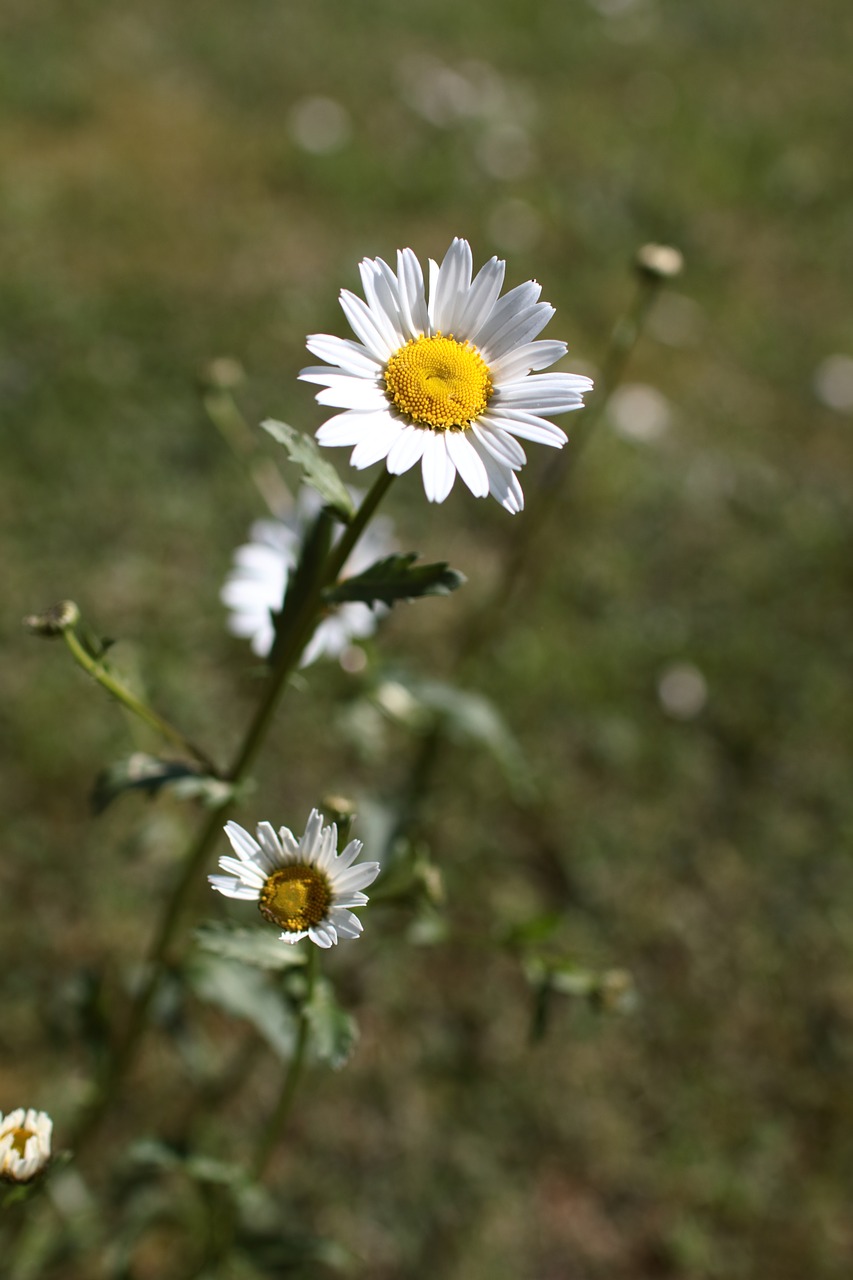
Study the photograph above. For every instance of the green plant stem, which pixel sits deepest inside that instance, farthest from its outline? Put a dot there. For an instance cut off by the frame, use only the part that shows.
(105, 678)
(623, 339)
(198, 853)
(273, 1131)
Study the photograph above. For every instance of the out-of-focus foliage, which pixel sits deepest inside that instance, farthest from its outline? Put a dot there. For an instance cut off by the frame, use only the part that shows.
(185, 181)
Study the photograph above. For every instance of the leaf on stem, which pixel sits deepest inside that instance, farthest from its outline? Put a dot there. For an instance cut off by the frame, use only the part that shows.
(245, 992)
(260, 948)
(394, 578)
(152, 774)
(319, 473)
(334, 1032)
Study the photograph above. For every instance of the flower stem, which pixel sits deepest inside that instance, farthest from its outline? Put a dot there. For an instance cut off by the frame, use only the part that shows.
(197, 855)
(101, 673)
(624, 337)
(273, 1131)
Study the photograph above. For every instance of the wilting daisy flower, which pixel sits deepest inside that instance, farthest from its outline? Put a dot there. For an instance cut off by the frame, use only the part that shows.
(444, 382)
(303, 886)
(254, 589)
(24, 1144)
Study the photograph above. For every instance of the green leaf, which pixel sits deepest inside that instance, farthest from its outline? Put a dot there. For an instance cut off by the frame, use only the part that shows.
(319, 473)
(395, 578)
(260, 948)
(151, 774)
(334, 1032)
(246, 993)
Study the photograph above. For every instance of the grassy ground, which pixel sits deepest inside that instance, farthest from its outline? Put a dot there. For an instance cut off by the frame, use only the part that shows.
(159, 207)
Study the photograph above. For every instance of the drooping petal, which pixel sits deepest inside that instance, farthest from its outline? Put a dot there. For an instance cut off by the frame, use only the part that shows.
(527, 426)
(436, 467)
(467, 462)
(406, 450)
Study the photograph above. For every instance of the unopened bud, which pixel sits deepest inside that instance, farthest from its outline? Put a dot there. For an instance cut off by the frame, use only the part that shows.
(659, 261)
(55, 620)
(223, 374)
(341, 811)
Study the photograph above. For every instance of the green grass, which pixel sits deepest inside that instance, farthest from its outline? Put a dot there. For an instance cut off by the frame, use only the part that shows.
(155, 212)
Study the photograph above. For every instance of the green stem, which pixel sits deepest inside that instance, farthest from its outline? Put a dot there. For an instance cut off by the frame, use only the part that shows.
(623, 339)
(105, 678)
(198, 853)
(274, 1129)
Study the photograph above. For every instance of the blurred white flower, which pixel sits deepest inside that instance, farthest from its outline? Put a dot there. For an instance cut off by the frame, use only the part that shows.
(833, 383)
(319, 125)
(303, 886)
(254, 589)
(444, 382)
(24, 1144)
(639, 412)
(682, 691)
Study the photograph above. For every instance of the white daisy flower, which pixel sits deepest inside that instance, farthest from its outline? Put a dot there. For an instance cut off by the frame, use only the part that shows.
(444, 382)
(255, 587)
(24, 1144)
(303, 886)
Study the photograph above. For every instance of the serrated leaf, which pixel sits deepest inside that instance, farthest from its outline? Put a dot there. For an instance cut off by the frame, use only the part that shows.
(151, 774)
(260, 948)
(319, 473)
(247, 993)
(334, 1032)
(394, 578)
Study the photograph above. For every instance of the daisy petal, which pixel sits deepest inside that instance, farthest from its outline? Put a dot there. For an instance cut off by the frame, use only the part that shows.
(436, 467)
(365, 327)
(524, 359)
(244, 845)
(406, 450)
(467, 463)
(343, 352)
(527, 426)
(503, 484)
(454, 281)
(413, 306)
(377, 444)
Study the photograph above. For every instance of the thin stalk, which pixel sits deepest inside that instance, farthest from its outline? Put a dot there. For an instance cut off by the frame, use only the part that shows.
(274, 1129)
(198, 853)
(623, 339)
(105, 678)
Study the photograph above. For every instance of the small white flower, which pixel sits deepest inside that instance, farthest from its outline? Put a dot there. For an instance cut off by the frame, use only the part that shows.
(24, 1144)
(255, 587)
(303, 886)
(444, 382)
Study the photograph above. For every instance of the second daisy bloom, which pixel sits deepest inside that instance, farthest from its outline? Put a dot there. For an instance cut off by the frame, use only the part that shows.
(442, 377)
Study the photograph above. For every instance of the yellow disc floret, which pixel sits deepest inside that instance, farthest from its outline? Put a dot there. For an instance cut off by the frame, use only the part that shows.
(20, 1138)
(439, 382)
(295, 897)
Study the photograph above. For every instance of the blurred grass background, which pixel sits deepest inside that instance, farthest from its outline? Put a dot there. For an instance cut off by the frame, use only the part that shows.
(179, 183)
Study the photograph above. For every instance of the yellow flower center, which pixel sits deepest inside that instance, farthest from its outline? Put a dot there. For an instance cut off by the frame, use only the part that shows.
(20, 1138)
(439, 382)
(296, 897)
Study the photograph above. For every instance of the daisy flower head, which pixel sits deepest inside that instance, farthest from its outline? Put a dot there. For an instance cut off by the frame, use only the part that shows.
(24, 1144)
(304, 886)
(442, 376)
(256, 584)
